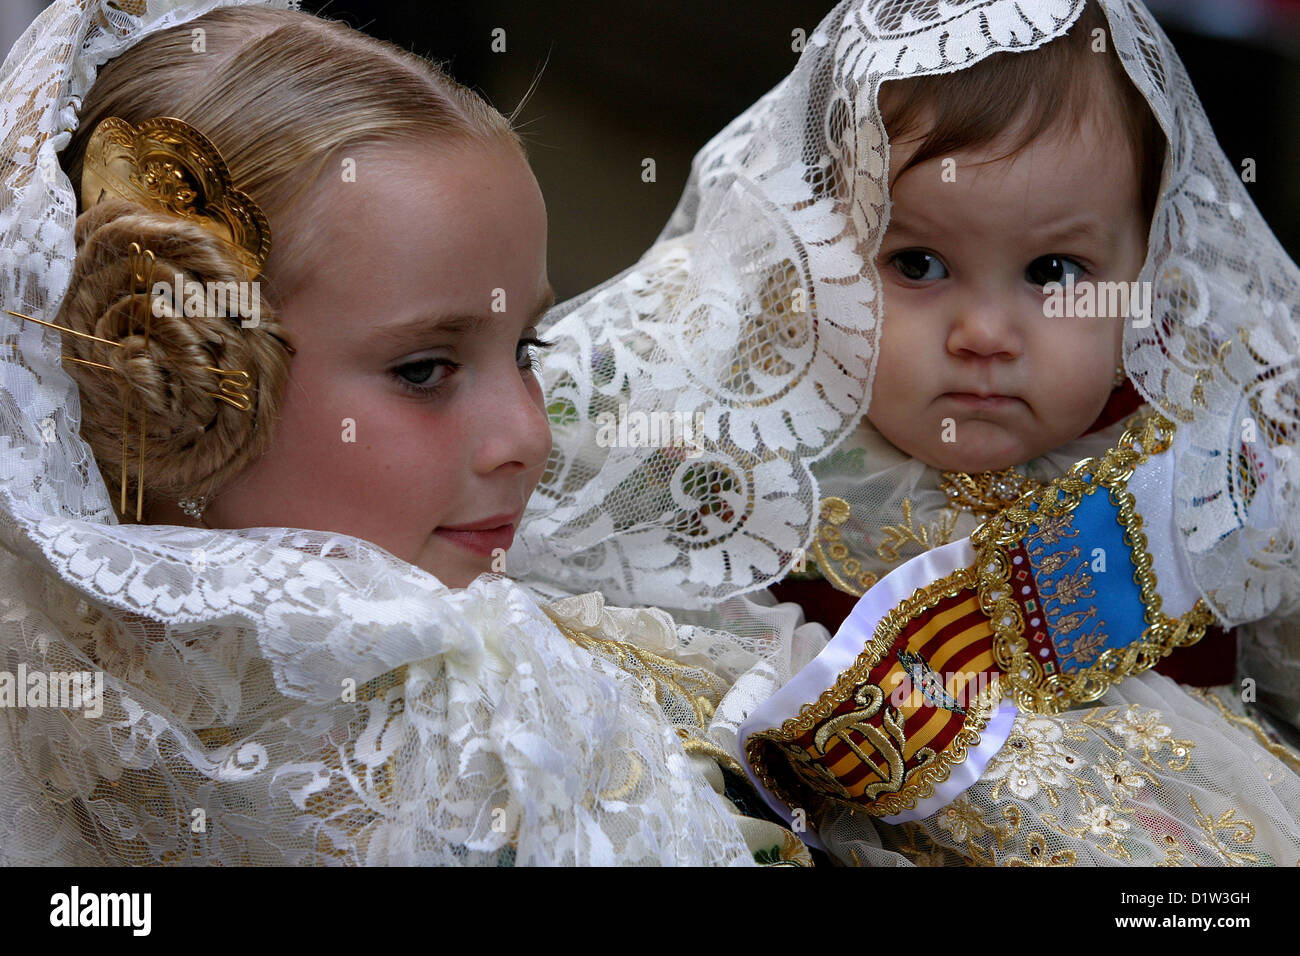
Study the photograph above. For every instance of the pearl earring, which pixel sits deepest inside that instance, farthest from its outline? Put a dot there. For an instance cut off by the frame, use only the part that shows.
(1121, 377)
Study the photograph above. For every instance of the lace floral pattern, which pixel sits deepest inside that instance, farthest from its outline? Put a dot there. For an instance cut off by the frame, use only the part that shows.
(274, 696)
(759, 310)
(279, 696)
(757, 313)
(1032, 760)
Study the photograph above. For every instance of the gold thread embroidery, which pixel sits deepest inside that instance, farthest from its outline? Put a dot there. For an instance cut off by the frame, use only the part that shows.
(1033, 690)
(896, 536)
(1108, 807)
(699, 745)
(1243, 831)
(834, 558)
(664, 672)
(670, 679)
(832, 555)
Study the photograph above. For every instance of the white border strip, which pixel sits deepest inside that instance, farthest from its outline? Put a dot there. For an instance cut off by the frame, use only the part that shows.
(849, 641)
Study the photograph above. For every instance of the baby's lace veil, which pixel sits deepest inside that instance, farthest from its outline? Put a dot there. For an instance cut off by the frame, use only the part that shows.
(269, 695)
(759, 311)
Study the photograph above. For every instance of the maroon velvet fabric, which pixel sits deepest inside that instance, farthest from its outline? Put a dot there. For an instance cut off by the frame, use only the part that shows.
(1123, 402)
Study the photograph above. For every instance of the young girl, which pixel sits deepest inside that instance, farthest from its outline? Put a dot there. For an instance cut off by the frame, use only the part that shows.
(910, 207)
(185, 678)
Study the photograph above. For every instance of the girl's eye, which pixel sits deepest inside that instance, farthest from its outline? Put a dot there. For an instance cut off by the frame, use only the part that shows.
(525, 357)
(423, 377)
(1047, 269)
(919, 266)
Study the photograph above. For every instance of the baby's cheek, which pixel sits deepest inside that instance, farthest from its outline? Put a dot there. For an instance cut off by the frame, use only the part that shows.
(1082, 371)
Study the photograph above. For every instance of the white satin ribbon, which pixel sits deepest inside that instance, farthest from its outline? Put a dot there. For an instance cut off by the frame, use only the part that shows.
(849, 641)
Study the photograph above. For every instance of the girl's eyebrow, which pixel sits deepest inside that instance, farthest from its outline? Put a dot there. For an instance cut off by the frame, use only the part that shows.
(396, 334)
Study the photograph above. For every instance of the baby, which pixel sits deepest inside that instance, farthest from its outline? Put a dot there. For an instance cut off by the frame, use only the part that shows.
(1022, 181)
(1016, 183)
(1025, 171)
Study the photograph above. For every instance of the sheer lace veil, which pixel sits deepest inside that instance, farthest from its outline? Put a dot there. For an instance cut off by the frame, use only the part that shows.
(756, 317)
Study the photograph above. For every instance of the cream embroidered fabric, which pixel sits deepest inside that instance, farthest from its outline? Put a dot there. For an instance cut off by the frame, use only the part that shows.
(1153, 775)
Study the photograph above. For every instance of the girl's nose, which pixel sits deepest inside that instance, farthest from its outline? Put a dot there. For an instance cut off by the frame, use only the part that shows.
(513, 430)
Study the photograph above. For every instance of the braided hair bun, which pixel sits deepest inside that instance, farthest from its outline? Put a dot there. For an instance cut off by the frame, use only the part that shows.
(195, 440)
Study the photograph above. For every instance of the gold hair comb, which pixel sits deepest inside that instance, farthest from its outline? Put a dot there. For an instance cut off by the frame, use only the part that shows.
(166, 165)
(232, 382)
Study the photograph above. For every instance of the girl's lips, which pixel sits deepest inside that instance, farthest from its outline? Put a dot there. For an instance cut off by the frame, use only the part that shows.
(483, 542)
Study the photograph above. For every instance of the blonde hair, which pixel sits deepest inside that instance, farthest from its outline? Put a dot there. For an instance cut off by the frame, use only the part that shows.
(283, 95)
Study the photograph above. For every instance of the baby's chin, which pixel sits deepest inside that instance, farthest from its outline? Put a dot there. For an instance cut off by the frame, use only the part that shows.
(977, 456)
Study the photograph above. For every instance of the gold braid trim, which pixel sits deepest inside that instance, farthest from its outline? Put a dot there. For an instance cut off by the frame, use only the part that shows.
(1033, 690)
(1281, 751)
(820, 787)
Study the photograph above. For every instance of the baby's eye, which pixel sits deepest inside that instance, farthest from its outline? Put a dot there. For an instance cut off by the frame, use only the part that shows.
(918, 266)
(1047, 269)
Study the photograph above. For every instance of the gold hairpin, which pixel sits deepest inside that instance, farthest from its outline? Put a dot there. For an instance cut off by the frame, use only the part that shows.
(166, 165)
(232, 382)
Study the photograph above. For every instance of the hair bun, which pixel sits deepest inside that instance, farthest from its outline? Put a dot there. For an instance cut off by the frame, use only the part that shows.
(195, 439)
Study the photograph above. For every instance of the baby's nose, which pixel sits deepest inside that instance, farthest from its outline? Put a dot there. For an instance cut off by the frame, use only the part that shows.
(985, 329)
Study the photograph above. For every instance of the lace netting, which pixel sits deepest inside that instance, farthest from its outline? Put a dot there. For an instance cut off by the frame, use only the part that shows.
(758, 309)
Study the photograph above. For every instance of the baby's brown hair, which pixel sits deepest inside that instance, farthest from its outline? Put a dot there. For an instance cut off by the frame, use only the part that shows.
(1030, 92)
